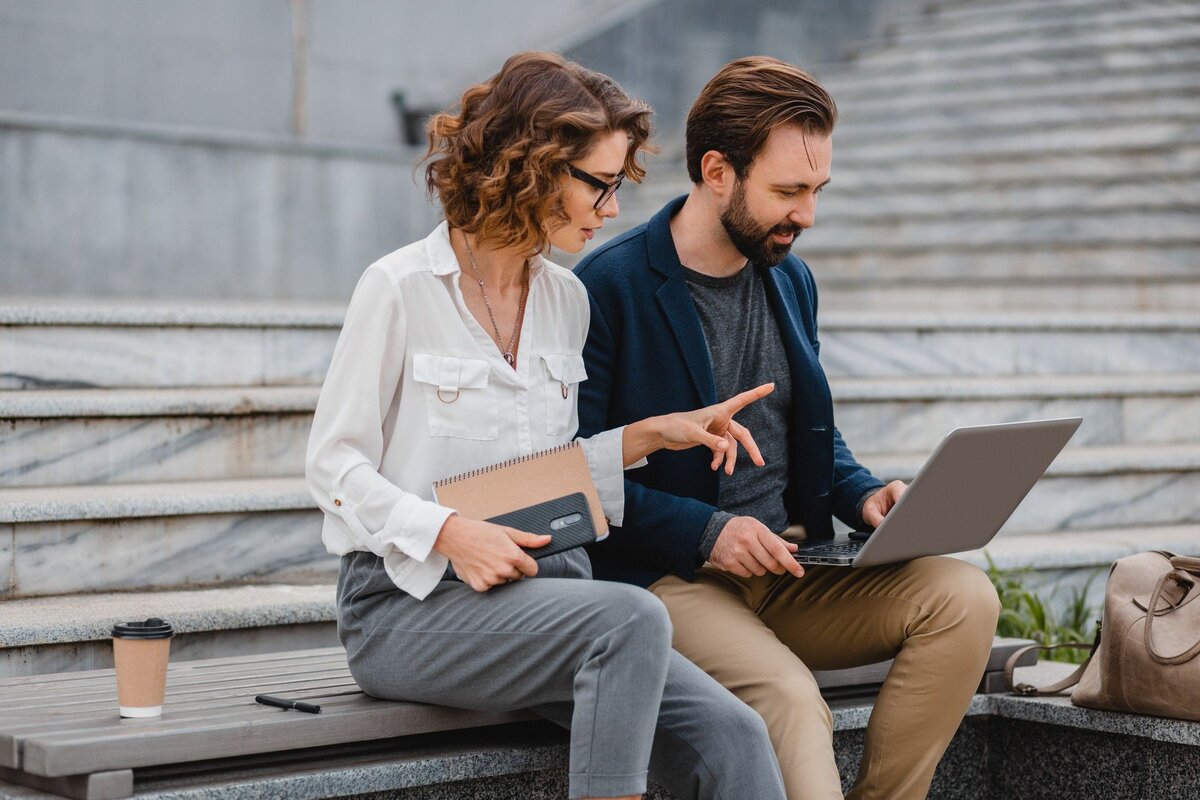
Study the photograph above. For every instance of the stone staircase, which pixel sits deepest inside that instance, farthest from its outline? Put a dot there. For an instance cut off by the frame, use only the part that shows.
(1012, 233)
(152, 461)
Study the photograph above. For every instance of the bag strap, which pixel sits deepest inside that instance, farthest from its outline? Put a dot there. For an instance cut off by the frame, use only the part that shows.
(1028, 689)
(1183, 579)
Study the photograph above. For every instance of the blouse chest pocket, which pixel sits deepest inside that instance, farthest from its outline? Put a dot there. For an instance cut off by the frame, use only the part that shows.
(563, 375)
(456, 396)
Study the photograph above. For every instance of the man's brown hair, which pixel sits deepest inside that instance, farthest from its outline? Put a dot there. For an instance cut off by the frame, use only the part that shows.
(495, 162)
(737, 110)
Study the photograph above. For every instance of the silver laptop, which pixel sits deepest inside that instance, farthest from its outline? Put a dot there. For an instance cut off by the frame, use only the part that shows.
(961, 497)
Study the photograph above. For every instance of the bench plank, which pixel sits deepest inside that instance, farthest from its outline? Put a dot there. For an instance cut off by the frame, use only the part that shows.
(63, 726)
(36, 703)
(185, 670)
(113, 785)
(259, 729)
(177, 707)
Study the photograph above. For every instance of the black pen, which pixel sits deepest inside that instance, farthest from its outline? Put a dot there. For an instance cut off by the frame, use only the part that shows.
(280, 702)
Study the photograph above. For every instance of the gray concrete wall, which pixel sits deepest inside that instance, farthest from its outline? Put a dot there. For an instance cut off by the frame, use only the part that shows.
(228, 63)
(147, 146)
(89, 210)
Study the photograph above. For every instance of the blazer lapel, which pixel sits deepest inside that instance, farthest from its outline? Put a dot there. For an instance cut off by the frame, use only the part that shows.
(675, 299)
(810, 390)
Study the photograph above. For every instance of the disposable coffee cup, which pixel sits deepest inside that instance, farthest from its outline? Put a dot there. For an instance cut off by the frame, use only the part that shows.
(140, 651)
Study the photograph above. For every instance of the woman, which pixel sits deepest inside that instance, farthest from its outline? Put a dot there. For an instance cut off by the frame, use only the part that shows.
(463, 350)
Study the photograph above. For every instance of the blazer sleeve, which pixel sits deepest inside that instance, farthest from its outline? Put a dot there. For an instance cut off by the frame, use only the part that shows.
(659, 529)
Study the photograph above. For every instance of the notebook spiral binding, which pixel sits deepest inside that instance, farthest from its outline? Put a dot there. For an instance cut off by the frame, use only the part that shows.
(502, 465)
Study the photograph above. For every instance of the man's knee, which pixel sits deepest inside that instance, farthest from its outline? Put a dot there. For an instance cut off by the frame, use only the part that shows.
(795, 700)
(961, 590)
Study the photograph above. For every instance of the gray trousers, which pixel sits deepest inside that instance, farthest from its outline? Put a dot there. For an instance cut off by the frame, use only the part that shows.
(592, 656)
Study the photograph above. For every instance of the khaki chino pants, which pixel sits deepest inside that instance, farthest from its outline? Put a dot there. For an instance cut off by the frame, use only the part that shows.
(761, 636)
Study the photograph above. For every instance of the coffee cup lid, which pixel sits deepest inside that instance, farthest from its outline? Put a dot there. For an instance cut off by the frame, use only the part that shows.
(153, 628)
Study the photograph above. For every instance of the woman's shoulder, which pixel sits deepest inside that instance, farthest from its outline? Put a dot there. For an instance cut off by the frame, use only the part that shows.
(419, 258)
(563, 277)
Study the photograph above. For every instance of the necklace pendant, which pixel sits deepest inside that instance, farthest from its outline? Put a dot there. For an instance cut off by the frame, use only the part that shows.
(511, 359)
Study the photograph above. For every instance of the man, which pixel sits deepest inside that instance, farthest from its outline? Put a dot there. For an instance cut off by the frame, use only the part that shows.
(704, 301)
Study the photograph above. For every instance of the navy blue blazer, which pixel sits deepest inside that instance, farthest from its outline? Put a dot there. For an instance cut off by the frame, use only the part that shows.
(646, 355)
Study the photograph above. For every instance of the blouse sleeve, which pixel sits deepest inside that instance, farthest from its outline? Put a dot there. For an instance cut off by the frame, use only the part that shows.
(345, 448)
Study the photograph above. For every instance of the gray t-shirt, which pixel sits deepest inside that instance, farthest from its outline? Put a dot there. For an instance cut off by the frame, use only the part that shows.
(746, 350)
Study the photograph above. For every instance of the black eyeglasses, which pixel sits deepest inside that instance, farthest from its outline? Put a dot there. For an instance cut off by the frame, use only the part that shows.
(607, 190)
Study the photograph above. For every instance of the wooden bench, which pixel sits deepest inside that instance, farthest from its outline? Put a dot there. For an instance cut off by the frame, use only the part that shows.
(61, 733)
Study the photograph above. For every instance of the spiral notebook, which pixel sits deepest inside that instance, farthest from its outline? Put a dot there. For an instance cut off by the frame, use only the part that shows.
(532, 492)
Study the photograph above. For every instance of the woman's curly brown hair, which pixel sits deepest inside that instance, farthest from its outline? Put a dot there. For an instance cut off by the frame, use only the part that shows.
(496, 161)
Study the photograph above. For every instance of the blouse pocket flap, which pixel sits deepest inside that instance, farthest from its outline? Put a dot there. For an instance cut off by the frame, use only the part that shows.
(565, 368)
(450, 372)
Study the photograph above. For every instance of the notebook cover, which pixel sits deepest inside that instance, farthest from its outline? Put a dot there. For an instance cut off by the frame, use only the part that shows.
(523, 482)
(567, 519)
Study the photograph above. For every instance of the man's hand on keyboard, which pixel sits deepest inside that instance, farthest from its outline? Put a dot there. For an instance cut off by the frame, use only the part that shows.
(880, 503)
(747, 547)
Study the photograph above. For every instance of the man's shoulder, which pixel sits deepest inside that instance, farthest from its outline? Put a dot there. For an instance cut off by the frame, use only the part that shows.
(617, 259)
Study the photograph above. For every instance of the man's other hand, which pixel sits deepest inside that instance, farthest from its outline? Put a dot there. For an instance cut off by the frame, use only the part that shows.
(747, 547)
(880, 503)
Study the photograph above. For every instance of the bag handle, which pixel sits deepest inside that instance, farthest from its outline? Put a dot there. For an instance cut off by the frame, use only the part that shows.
(1028, 689)
(1183, 579)
(1187, 564)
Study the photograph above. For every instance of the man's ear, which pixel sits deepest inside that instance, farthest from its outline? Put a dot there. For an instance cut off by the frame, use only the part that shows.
(717, 173)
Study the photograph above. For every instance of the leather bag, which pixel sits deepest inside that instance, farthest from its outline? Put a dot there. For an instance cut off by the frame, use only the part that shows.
(1140, 662)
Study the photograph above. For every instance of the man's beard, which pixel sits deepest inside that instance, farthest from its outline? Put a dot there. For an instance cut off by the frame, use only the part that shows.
(751, 239)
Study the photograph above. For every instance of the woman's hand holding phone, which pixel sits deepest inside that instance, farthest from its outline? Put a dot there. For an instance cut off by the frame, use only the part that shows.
(485, 555)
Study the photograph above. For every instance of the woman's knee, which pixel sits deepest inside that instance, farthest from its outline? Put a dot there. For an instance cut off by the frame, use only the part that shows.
(631, 615)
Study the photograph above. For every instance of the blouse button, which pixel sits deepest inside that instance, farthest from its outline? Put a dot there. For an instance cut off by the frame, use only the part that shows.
(337, 502)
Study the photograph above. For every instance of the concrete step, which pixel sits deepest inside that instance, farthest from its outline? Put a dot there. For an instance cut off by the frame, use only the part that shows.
(86, 344)
(1090, 487)
(1053, 43)
(91, 436)
(913, 414)
(73, 632)
(1049, 27)
(968, 204)
(995, 117)
(1014, 18)
(898, 344)
(1012, 231)
(858, 82)
(990, 9)
(1058, 565)
(66, 539)
(1053, 264)
(1095, 294)
(1039, 143)
(1039, 343)
(856, 107)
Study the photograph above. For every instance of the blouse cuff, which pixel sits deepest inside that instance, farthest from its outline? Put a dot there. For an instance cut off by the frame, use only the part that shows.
(414, 528)
(605, 454)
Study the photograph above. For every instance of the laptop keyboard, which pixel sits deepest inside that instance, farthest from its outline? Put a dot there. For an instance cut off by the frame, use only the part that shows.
(832, 549)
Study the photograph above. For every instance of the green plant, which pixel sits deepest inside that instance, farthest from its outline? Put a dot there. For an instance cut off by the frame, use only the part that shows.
(1025, 615)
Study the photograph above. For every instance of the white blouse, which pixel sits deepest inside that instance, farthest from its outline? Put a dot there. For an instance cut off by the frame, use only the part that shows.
(418, 391)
